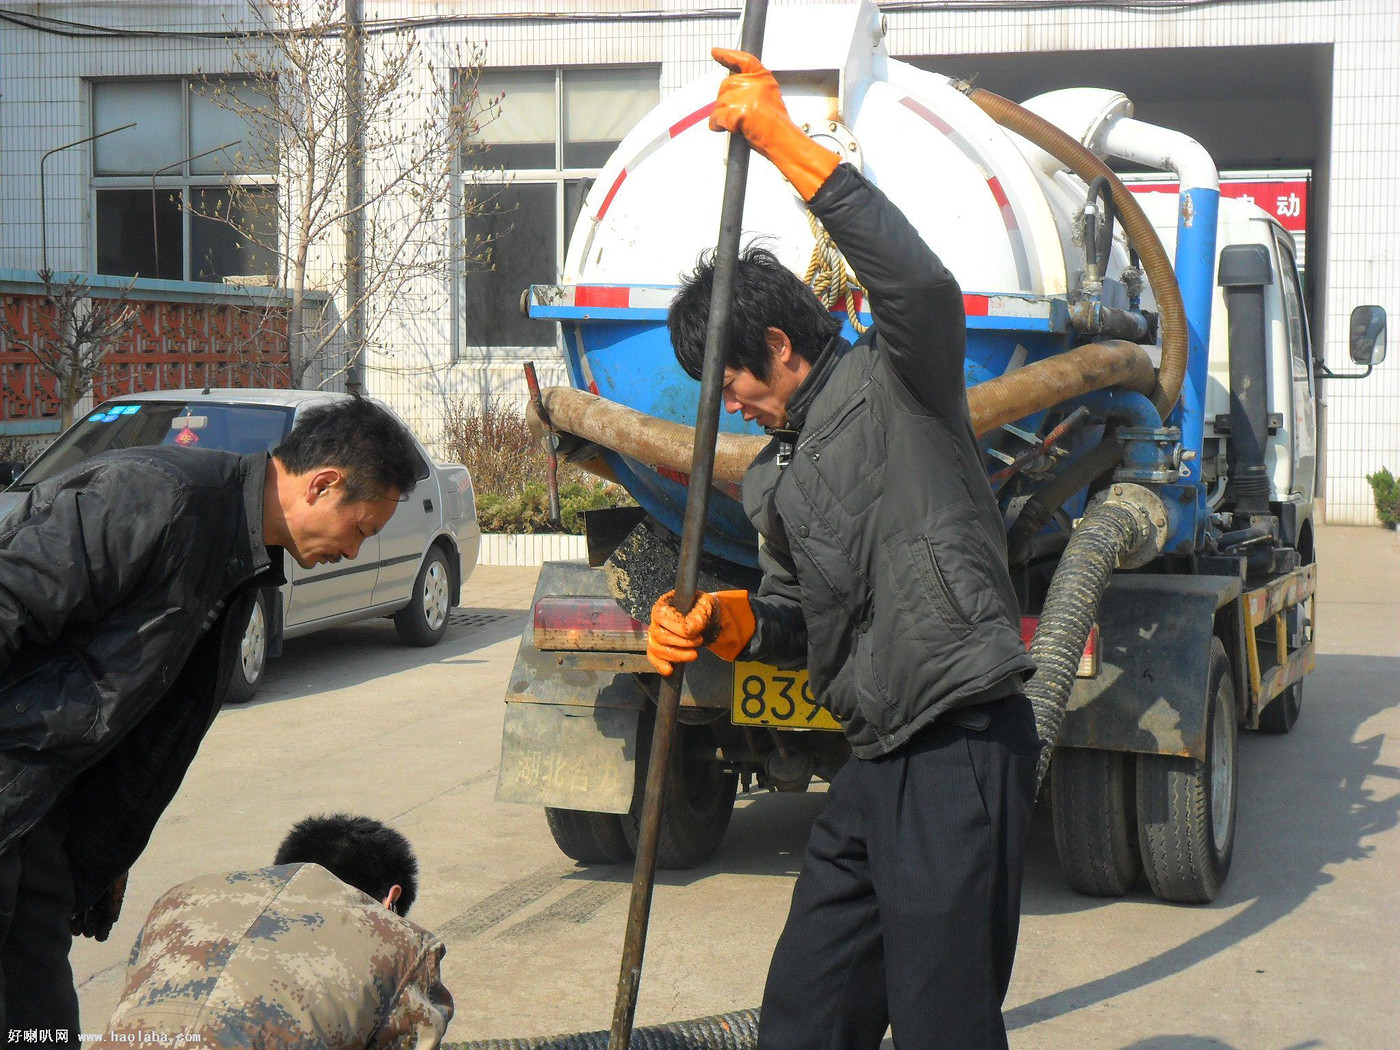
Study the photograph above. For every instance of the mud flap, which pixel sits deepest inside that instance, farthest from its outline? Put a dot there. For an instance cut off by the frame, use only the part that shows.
(1155, 641)
(568, 756)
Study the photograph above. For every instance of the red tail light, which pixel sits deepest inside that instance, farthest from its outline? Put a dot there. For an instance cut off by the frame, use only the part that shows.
(1088, 663)
(588, 624)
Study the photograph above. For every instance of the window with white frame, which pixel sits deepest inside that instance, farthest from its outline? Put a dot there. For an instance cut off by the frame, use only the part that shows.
(555, 129)
(186, 194)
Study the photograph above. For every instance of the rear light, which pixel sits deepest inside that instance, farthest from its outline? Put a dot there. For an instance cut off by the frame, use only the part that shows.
(588, 624)
(1088, 663)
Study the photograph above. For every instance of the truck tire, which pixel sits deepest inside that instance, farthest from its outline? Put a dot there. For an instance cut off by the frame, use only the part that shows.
(423, 621)
(587, 837)
(1091, 806)
(699, 801)
(1186, 808)
(1281, 713)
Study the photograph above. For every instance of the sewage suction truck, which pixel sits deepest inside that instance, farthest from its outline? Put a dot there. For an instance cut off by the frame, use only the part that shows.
(1141, 381)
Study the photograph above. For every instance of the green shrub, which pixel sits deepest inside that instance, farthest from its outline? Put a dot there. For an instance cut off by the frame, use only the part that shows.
(1387, 492)
(510, 472)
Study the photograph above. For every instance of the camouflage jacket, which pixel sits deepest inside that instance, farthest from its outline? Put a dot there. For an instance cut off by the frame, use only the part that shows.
(283, 957)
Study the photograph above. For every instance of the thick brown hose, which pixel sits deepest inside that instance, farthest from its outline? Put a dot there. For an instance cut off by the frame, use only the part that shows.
(1140, 232)
(661, 443)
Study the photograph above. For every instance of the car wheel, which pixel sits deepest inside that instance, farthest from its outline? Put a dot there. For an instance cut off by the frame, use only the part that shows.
(423, 621)
(246, 672)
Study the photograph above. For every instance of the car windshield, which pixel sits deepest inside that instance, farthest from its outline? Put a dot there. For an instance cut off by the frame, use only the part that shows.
(200, 424)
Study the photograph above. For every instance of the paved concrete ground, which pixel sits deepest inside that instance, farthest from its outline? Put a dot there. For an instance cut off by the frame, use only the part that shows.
(1300, 951)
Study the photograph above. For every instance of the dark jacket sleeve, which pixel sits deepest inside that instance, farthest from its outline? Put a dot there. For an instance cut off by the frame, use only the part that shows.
(916, 303)
(780, 632)
(76, 550)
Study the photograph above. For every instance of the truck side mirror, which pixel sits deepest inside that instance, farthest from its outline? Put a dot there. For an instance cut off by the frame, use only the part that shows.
(1367, 343)
(1368, 335)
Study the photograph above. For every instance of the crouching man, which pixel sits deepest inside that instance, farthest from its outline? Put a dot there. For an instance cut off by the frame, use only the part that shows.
(312, 952)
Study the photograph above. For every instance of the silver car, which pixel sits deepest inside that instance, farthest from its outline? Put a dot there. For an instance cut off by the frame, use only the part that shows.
(413, 570)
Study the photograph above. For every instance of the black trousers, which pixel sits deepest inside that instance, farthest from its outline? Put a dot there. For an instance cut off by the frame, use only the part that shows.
(36, 902)
(906, 909)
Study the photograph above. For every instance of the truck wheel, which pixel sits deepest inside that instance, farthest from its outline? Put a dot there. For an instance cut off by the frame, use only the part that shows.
(587, 837)
(245, 671)
(1186, 808)
(1091, 806)
(423, 620)
(699, 802)
(1280, 713)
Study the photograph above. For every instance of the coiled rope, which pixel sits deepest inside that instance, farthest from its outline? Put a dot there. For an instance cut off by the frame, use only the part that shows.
(829, 276)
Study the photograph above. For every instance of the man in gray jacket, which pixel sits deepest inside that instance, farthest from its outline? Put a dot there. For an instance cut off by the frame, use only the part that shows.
(124, 583)
(884, 573)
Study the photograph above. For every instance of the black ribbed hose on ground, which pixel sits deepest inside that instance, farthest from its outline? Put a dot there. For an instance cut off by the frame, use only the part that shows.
(1114, 528)
(731, 1031)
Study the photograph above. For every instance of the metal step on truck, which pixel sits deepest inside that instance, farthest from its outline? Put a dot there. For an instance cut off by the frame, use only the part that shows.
(1148, 353)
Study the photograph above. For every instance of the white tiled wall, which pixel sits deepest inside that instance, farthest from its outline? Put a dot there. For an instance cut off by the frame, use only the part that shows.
(42, 104)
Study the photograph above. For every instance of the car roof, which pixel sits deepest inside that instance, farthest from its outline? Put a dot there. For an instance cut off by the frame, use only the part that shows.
(236, 395)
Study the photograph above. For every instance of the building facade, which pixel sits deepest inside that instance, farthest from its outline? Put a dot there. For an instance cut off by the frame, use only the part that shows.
(1307, 87)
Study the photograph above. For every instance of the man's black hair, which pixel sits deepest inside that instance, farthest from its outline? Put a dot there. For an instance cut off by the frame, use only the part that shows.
(766, 295)
(363, 440)
(359, 851)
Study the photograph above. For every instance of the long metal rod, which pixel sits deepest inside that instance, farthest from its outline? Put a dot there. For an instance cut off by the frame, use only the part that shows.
(692, 535)
(43, 195)
(355, 192)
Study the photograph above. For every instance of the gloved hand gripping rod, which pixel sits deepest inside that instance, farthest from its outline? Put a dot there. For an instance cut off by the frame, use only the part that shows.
(688, 573)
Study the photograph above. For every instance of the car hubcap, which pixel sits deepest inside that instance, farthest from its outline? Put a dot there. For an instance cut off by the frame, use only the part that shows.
(253, 650)
(435, 595)
(1221, 786)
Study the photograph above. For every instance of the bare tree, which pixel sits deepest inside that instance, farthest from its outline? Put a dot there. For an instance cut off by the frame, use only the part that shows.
(74, 335)
(419, 112)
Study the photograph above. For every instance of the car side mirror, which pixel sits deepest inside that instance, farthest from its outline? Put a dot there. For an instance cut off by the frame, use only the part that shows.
(9, 470)
(1368, 335)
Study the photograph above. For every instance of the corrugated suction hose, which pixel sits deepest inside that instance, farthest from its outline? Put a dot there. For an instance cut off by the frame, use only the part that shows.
(1114, 530)
(731, 1031)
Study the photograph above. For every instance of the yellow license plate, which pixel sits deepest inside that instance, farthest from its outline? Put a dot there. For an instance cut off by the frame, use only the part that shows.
(766, 696)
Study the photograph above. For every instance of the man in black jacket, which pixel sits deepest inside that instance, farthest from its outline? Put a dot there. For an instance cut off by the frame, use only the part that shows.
(884, 573)
(123, 582)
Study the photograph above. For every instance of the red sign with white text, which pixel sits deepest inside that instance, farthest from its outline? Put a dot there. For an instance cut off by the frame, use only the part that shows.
(1286, 199)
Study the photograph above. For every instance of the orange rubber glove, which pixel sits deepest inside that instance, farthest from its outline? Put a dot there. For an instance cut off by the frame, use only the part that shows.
(750, 104)
(722, 622)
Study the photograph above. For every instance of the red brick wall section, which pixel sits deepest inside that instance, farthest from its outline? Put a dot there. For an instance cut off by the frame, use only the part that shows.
(172, 345)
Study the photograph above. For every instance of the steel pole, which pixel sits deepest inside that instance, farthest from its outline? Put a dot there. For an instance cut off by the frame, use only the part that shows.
(355, 192)
(43, 194)
(692, 535)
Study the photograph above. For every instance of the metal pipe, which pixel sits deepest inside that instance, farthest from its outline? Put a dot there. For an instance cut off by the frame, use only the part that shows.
(692, 540)
(155, 226)
(551, 448)
(1197, 215)
(1175, 336)
(355, 191)
(1022, 392)
(43, 196)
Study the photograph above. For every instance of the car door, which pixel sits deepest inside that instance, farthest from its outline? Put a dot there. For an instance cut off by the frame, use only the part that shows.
(405, 537)
(333, 588)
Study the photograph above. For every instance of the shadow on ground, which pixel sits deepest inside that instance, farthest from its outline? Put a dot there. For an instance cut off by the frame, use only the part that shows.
(1305, 807)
